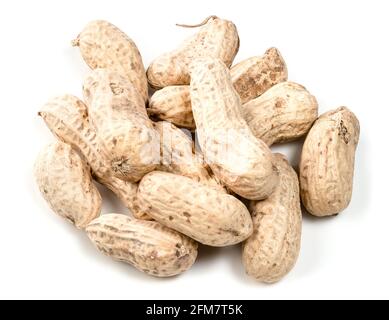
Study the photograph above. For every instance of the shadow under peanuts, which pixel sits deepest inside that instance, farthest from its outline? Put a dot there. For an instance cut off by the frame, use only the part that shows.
(208, 253)
(292, 151)
(311, 245)
(361, 195)
(111, 203)
(237, 269)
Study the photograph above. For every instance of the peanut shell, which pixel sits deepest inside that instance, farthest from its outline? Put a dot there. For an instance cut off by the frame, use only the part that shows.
(283, 113)
(200, 212)
(103, 45)
(65, 182)
(240, 160)
(327, 162)
(254, 76)
(118, 115)
(146, 245)
(272, 251)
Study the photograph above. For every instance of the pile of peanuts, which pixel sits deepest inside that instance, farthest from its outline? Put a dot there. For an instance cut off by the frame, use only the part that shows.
(221, 188)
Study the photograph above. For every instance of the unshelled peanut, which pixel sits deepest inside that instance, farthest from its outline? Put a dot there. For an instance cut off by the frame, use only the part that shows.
(146, 245)
(103, 45)
(327, 162)
(172, 104)
(200, 212)
(216, 38)
(253, 76)
(118, 115)
(272, 251)
(240, 160)
(283, 113)
(65, 182)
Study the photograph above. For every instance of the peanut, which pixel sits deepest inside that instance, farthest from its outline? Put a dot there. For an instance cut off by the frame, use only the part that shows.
(272, 251)
(67, 118)
(283, 113)
(327, 162)
(172, 104)
(118, 115)
(65, 182)
(178, 156)
(251, 78)
(103, 45)
(200, 212)
(241, 161)
(216, 38)
(146, 245)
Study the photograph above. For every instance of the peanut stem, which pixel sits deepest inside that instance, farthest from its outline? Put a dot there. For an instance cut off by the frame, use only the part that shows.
(196, 25)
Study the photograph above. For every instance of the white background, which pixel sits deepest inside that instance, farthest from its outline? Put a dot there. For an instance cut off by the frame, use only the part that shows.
(338, 49)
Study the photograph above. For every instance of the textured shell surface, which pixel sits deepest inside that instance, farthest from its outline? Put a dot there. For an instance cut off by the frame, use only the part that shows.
(146, 245)
(253, 76)
(200, 212)
(67, 117)
(327, 162)
(173, 104)
(118, 114)
(179, 156)
(103, 45)
(272, 251)
(240, 160)
(217, 38)
(283, 113)
(65, 182)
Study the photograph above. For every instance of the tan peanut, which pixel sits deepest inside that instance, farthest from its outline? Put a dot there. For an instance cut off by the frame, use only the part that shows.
(253, 76)
(118, 115)
(241, 161)
(200, 212)
(67, 118)
(272, 251)
(172, 104)
(216, 38)
(178, 156)
(65, 182)
(103, 45)
(146, 245)
(327, 162)
(283, 113)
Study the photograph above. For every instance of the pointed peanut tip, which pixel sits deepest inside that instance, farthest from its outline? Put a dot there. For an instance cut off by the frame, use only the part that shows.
(76, 42)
